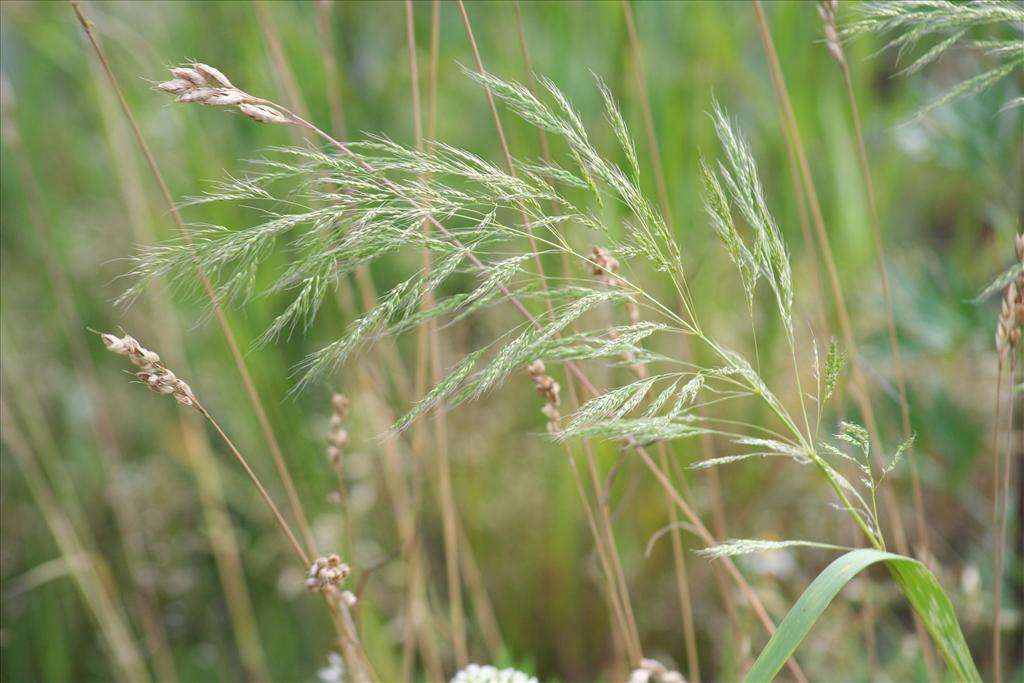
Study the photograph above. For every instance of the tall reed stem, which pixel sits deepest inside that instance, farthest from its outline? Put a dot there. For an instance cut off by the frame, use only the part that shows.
(449, 514)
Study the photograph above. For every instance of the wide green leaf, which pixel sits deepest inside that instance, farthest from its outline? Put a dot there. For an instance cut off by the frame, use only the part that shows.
(918, 584)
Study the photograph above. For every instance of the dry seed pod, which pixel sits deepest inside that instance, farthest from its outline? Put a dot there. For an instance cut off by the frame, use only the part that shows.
(196, 95)
(175, 86)
(327, 573)
(225, 98)
(212, 74)
(152, 373)
(189, 74)
(262, 113)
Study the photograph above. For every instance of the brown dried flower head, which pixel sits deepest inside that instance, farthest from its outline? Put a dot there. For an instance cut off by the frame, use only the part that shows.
(549, 389)
(327, 573)
(152, 372)
(337, 436)
(604, 265)
(203, 84)
(1011, 311)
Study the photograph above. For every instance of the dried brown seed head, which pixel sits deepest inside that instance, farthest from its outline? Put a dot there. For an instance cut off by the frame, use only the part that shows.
(212, 74)
(175, 86)
(189, 74)
(262, 113)
(340, 404)
(226, 97)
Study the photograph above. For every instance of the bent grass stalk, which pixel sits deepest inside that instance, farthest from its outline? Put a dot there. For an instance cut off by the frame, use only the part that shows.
(325, 573)
(229, 337)
(166, 331)
(449, 514)
(621, 635)
(861, 394)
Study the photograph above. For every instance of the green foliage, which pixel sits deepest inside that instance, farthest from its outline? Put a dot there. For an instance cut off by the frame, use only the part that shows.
(282, 237)
(928, 599)
(917, 20)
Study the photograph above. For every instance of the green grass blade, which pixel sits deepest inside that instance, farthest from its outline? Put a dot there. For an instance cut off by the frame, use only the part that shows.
(918, 584)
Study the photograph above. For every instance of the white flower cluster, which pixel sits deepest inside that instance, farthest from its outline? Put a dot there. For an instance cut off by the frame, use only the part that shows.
(476, 673)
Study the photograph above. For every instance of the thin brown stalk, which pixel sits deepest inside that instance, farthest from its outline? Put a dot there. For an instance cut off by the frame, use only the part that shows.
(100, 601)
(236, 354)
(166, 330)
(279, 61)
(419, 609)
(706, 444)
(861, 391)
(682, 582)
(614, 598)
(278, 517)
(645, 106)
(418, 625)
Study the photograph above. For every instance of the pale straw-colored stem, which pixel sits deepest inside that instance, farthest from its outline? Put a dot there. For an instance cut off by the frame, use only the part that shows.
(278, 517)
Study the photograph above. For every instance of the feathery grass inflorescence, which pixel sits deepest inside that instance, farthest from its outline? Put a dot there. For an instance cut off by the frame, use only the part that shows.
(952, 25)
(371, 203)
(372, 200)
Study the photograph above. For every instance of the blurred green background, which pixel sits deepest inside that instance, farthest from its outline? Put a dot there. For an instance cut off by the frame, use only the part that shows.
(78, 200)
